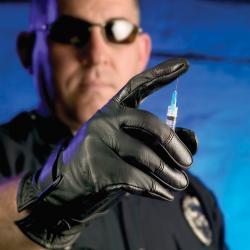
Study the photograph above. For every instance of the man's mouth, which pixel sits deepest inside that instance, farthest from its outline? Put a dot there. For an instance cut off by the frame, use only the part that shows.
(95, 84)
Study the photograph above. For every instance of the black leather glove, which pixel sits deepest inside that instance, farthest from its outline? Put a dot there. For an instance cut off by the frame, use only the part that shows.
(120, 149)
(189, 138)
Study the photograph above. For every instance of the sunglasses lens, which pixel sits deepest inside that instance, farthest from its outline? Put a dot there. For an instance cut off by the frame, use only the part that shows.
(69, 30)
(121, 31)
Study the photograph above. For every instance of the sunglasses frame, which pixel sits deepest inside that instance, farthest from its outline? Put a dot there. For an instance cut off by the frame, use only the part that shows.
(135, 31)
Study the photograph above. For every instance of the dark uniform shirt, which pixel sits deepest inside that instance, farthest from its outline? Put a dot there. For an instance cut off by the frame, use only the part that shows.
(192, 221)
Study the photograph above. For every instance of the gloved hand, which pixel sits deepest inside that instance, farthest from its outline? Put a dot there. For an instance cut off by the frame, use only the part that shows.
(189, 138)
(120, 149)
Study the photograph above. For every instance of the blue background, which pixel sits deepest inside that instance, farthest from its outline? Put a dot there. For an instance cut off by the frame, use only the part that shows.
(213, 96)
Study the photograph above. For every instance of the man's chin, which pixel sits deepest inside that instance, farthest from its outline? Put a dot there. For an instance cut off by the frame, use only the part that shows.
(82, 106)
(87, 109)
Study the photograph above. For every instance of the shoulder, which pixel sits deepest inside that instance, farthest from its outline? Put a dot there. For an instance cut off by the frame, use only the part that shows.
(27, 140)
(18, 128)
(16, 143)
(45, 130)
(199, 189)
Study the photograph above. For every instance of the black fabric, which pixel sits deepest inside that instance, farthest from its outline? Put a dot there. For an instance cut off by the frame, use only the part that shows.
(25, 143)
(134, 223)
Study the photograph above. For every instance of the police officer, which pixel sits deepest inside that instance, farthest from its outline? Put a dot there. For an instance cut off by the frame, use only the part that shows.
(90, 170)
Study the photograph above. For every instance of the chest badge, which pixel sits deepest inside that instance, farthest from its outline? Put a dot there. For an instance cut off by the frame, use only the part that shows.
(196, 219)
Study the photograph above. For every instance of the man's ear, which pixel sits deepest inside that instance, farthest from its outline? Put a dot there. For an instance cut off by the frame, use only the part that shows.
(145, 49)
(24, 44)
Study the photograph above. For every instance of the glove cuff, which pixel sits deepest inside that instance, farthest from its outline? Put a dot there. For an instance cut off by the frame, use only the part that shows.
(29, 194)
(49, 236)
(34, 187)
(44, 224)
(26, 194)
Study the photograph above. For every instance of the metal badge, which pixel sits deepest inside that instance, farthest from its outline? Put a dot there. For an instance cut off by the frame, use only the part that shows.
(196, 219)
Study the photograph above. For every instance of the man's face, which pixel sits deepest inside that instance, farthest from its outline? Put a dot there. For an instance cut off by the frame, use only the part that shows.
(82, 79)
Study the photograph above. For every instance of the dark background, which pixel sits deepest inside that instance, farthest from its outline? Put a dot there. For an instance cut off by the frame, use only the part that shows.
(213, 96)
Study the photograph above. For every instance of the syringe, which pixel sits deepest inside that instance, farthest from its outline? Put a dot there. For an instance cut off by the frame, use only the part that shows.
(172, 111)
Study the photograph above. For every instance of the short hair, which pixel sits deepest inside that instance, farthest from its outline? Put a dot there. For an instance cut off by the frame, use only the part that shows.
(40, 11)
(137, 6)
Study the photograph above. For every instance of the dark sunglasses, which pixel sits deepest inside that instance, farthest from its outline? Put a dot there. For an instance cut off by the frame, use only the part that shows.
(74, 31)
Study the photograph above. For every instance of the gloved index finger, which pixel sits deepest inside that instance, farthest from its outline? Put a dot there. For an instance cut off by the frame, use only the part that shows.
(150, 81)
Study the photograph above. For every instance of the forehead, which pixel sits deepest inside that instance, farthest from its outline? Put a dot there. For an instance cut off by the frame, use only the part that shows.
(97, 10)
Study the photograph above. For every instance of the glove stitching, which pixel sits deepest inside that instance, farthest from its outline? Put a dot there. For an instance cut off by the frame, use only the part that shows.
(153, 188)
(163, 144)
(150, 173)
(120, 101)
(159, 169)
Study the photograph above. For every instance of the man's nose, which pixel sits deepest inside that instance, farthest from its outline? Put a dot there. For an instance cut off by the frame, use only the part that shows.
(97, 49)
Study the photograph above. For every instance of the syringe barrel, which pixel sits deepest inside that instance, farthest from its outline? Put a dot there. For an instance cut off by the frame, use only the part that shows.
(171, 117)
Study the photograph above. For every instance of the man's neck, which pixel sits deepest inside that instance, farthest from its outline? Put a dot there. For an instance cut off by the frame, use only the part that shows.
(44, 110)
